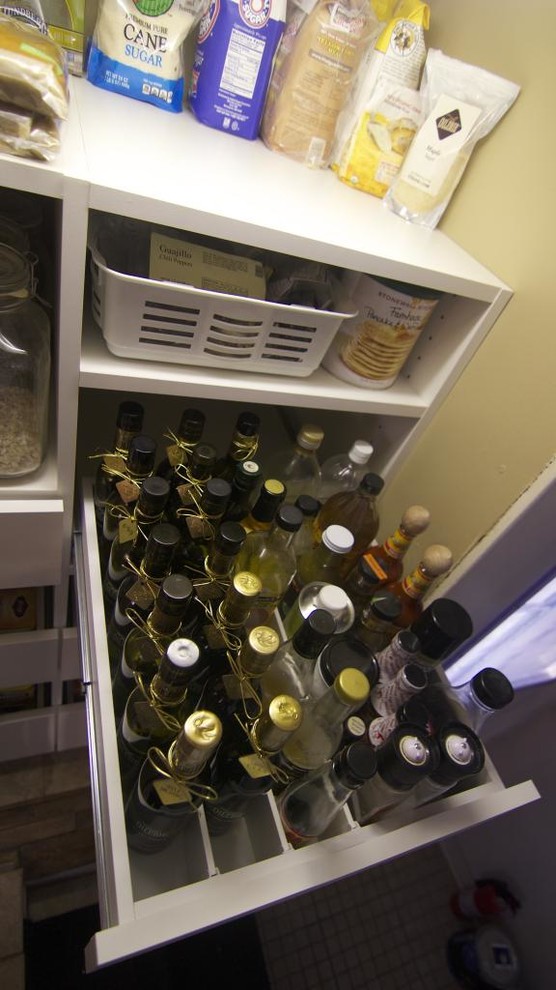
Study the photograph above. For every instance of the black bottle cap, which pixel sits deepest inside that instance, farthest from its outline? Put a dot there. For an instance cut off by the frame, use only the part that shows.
(492, 687)
(408, 755)
(355, 764)
(271, 496)
(461, 754)
(202, 461)
(347, 651)
(161, 547)
(442, 626)
(192, 424)
(216, 496)
(371, 483)
(130, 416)
(308, 505)
(413, 710)
(230, 538)
(247, 474)
(416, 676)
(289, 518)
(175, 594)
(248, 424)
(154, 495)
(142, 453)
(384, 605)
(313, 635)
(408, 641)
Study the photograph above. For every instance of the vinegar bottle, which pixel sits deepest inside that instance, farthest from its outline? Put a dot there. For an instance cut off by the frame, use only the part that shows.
(357, 511)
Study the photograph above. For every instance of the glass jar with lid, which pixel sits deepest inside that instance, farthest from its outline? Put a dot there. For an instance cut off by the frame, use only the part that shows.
(24, 367)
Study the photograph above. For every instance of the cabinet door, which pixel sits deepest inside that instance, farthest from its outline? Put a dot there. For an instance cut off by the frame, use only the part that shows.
(199, 882)
(31, 537)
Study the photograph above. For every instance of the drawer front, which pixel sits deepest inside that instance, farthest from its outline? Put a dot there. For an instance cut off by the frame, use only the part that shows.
(37, 526)
(199, 882)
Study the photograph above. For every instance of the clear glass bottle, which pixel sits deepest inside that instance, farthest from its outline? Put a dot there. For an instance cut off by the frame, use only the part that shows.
(138, 591)
(261, 516)
(291, 670)
(304, 539)
(297, 465)
(408, 756)
(462, 757)
(123, 498)
(440, 628)
(172, 784)
(475, 701)
(247, 478)
(386, 560)
(243, 445)
(322, 563)
(152, 712)
(356, 510)
(319, 737)
(187, 436)
(343, 472)
(131, 539)
(270, 556)
(309, 805)
(319, 594)
(376, 626)
(129, 423)
(24, 368)
(411, 589)
(243, 768)
(341, 652)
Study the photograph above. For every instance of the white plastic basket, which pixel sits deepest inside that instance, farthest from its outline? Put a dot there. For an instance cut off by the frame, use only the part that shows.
(167, 321)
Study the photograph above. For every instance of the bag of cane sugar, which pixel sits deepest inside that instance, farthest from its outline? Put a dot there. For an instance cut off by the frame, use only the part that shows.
(137, 48)
(461, 104)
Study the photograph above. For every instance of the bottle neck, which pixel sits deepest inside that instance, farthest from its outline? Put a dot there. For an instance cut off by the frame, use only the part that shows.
(397, 545)
(416, 584)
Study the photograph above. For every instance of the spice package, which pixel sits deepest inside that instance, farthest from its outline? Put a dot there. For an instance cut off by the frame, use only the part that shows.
(461, 104)
(137, 49)
(33, 74)
(383, 113)
(314, 71)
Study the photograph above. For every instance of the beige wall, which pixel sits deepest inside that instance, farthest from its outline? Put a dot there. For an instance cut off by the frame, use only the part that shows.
(496, 430)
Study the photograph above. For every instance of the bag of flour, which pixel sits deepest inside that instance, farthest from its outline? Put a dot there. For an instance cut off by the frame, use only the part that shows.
(137, 48)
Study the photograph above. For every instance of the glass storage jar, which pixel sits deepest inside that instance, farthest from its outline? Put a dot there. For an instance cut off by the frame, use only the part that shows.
(24, 367)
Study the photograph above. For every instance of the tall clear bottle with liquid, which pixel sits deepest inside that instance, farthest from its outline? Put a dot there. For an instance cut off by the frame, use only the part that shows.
(260, 517)
(291, 670)
(356, 510)
(297, 465)
(129, 423)
(343, 472)
(304, 539)
(270, 556)
(323, 562)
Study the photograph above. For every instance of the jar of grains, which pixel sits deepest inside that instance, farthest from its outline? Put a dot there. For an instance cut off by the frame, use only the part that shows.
(24, 367)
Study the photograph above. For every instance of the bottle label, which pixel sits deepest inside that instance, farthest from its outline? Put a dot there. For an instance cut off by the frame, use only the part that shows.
(175, 454)
(140, 595)
(255, 765)
(127, 530)
(128, 491)
(375, 567)
(397, 544)
(391, 659)
(381, 728)
(115, 462)
(415, 585)
(172, 791)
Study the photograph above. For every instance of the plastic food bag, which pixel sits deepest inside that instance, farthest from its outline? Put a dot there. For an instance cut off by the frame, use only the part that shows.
(314, 70)
(137, 49)
(461, 105)
(28, 135)
(33, 73)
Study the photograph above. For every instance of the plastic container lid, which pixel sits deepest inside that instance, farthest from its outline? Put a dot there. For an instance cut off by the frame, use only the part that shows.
(361, 451)
(492, 688)
(308, 505)
(355, 764)
(347, 651)
(332, 598)
(442, 626)
(338, 539)
(461, 754)
(371, 483)
(183, 653)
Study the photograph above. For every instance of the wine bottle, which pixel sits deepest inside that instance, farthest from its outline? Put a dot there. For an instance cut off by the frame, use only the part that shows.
(297, 465)
(411, 589)
(152, 712)
(243, 445)
(172, 784)
(291, 670)
(220, 561)
(225, 628)
(308, 806)
(261, 516)
(319, 737)
(187, 436)
(190, 479)
(357, 511)
(138, 591)
(408, 756)
(198, 525)
(129, 423)
(127, 487)
(175, 613)
(303, 539)
(243, 768)
(386, 560)
(270, 556)
(247, 478)
(343, 472)
(131, 539)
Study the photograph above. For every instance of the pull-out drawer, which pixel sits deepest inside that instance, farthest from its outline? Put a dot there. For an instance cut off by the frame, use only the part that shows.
(199, 881)
(31, 536)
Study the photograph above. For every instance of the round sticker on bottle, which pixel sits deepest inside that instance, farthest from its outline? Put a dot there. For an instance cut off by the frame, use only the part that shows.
(153, 8)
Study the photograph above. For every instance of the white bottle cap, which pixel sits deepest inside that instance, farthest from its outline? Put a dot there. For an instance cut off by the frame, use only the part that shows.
(361, 451)
(183, 652)
(338, 538)
(332, 598)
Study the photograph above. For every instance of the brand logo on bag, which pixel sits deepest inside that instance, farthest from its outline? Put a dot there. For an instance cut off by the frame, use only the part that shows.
(448, 124)
(255, 13)
(208, 20)
(153, 8)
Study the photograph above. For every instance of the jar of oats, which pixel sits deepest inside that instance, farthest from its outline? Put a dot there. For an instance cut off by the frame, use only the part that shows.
(24, 367)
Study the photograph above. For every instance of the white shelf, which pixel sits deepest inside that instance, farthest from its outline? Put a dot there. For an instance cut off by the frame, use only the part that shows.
(196, 883)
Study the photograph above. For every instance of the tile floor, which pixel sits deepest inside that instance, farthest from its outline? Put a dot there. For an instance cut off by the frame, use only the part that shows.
(383, 929)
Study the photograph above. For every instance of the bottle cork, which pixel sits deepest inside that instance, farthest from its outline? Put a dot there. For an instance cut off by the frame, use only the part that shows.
(415, 520)
(436, 560)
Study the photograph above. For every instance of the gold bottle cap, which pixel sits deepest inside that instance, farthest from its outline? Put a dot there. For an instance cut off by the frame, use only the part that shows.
(310, 436)
(246, 584)
(203, 729)
(352, 686)
(274, 487)
(285, 712)
(263, 640)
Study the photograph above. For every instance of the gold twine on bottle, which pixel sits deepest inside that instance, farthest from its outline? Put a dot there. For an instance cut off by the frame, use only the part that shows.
(177, 442)
(149, 694)
(140, 573)
(164, 766)
(143, 626)
(193, 485)
(276, 773)
(245, 448)
(246, 687)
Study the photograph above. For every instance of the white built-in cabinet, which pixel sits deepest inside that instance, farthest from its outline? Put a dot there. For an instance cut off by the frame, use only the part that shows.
(124, 158)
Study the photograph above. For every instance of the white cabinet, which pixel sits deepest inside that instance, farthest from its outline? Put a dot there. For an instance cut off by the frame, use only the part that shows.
(124, 158)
